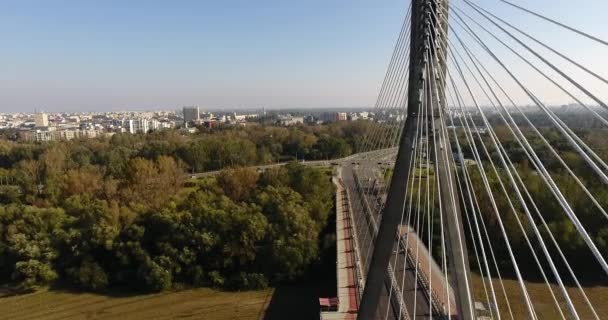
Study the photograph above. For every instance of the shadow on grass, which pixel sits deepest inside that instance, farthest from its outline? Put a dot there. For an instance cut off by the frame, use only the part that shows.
(298, 301)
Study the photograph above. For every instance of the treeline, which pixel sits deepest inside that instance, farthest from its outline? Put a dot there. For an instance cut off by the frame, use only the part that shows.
(210, 149)
(239, 230)
(558, 222)
(122, 211)
(46, 172)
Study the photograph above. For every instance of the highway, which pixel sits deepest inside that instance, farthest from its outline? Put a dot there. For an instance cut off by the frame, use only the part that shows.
(415, 291)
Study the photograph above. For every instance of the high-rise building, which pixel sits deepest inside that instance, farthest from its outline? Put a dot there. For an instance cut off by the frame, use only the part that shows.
(328, 117)
(191, 114)
(41, 119)
(341, 116)
(128, 125)
(141, 125)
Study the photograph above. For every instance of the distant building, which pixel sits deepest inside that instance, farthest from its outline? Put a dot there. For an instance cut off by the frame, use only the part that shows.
(309, 119)
(128, 126)
(206, 116)
(210, 124)
(191, 114)
(333, 116)
(52, 135)
(141, 125)
(327, 117)
(243, 117)
(41, 120)
(290, 121)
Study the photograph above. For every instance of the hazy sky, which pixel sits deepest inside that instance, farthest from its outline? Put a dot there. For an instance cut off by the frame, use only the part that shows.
(117, 54)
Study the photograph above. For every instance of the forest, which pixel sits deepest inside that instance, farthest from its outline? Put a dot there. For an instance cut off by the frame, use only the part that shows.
(124, 212)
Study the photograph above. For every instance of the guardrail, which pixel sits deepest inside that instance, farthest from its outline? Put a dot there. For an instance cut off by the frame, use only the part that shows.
(398, 296)
(360, 279)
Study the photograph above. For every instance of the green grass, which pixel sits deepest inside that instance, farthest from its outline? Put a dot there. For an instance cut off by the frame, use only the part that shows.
(186, 304)
(542, 300)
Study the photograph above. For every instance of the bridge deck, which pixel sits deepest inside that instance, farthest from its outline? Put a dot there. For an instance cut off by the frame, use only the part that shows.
(346, 268)
(414, 282)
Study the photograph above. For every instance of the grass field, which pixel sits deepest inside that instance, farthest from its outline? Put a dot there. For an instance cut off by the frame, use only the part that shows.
(542, 300)
(268, 304)
(187, 304)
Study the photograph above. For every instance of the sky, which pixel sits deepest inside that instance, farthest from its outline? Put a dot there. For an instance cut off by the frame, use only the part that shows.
(86, 55)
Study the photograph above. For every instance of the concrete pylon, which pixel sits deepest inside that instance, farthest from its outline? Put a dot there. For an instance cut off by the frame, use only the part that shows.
(428, 38)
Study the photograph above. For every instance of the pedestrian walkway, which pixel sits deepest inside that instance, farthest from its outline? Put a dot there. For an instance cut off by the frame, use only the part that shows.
(348, 291)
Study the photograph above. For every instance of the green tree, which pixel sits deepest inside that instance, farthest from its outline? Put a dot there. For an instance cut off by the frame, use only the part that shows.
(292, 240)
(329, 147)
(29, 238)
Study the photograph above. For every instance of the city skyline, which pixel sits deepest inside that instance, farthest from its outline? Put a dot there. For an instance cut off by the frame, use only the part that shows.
(109, 56)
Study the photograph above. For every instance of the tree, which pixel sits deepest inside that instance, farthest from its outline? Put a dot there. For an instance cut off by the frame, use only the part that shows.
(29, 238)
(31, 273)
(80, 156)
(314, 186)
(154, 149)
(89, 275)
(332, 147)
(292, 240)
(195, 155)
(54, 161)
(29, 177)
(94, 228)
(238, 184)
(153, 182)
(230, 232)
(299, 143)
(82, 180)
(155, 277)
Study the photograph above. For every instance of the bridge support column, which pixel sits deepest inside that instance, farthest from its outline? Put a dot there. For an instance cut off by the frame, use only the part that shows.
(424, 42)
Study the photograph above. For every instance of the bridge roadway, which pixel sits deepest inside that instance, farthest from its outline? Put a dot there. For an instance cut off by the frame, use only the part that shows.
(415, 293)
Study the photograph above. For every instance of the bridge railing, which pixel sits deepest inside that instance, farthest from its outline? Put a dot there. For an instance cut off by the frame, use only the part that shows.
(359, 277)
(398, 296)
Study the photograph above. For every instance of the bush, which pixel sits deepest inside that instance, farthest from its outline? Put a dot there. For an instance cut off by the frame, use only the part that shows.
(90, 275)
(33, 272)
(154, 277)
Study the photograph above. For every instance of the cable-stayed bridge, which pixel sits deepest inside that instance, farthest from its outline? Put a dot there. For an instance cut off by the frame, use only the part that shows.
(448, 182)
